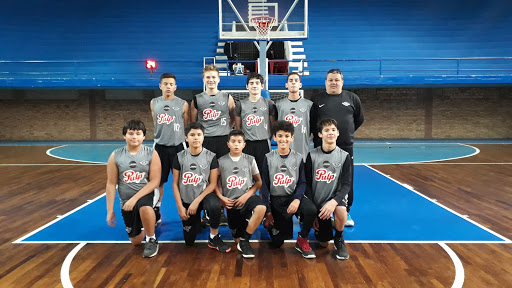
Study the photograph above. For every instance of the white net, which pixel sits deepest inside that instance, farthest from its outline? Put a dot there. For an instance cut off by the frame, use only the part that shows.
(263, 25)
(274, 94)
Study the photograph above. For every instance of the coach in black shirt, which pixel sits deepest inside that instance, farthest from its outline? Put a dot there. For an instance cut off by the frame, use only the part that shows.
(345, 108)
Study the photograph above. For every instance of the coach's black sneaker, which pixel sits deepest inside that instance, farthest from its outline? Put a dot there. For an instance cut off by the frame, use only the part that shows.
(150, 248)
(223, 218)
(303, 247)
(157, 215)
(217, 243)
(341, 249)
(245, 247)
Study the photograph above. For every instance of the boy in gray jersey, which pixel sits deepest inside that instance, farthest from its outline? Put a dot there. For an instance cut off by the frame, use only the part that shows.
(283, 190)
(296, 110)
(237, 192)
(254, 116)
(328, 177)
(135, 169)
(194, 179)
(170, 115)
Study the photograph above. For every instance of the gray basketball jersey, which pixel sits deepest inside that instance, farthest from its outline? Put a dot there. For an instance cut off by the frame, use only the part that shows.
(326, 173)
(168, 119)
(133, 171)
(256, 119)
(213, 113)
(297, 113)
(283, 172)
(194, 173)
(235, 177)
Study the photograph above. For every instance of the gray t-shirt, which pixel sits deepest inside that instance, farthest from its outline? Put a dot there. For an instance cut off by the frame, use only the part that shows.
(255, 118)
(194, 173)
(236, 174)
(133, 171)
(169, 122)
(297, 113)
(283, 172)
(213, 113)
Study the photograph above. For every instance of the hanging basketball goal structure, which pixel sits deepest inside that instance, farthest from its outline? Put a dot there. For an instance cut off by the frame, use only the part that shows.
(263, 20)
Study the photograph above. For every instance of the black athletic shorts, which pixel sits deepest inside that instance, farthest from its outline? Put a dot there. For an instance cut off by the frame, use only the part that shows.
(324, 232)
(283, 221)
(132, 219)
(217, 144)
(238, 218)
(192, 226)
(257, 149)
(167, 154)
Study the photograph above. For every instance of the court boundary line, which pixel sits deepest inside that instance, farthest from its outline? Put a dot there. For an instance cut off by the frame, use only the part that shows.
(357, 164)
(66, 265)
(441, 205)
(459, 268)
(48, 152)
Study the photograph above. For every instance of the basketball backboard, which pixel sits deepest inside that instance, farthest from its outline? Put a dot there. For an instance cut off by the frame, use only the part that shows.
(291, 19)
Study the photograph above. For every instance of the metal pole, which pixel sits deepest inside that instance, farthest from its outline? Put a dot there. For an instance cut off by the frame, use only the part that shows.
(263, 62)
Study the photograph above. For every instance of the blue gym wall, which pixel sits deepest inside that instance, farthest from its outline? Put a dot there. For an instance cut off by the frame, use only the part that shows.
(93, 43)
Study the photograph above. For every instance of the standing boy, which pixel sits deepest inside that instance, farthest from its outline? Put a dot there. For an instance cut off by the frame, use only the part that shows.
(254, 116)
(170, 115)
(283, 190)
(328, 175)
(239, 180)
(194, 178)
(296, 110)
(135, 169)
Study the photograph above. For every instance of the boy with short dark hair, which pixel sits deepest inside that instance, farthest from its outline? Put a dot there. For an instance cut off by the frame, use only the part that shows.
(254, 116)
(237, 192)
(194, 178)
(328, 176)
(283, 190)
(170, 115)
(135, 169)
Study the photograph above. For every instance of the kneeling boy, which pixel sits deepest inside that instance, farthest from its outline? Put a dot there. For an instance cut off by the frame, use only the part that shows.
(238, 193)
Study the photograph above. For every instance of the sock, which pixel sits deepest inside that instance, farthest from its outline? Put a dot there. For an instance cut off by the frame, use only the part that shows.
(246, 236)
(149, 237)
(338, 234)
(212, 236)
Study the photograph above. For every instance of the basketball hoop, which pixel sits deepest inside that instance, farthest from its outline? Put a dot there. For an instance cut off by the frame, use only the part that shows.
(263, 25)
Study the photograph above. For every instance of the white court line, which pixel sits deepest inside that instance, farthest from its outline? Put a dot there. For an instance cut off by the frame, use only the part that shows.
(442, 206)
(437, 163)
(56, 220)
(459, 269)
(49, 153)
(64, 270)
(54, 164)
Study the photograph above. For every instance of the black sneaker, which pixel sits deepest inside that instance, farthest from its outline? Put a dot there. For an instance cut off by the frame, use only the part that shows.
(217, 243)
(245, 247)
(223, 218)
(341, 249)
(157, 215)
(150, 248)
(204, 221)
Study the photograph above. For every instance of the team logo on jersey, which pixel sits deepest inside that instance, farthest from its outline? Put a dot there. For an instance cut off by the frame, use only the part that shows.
(303, 110)
(326, 164)
(345, 104)
(324, 175)
(193, 166)
(191, 178)
(263, 108)
(131, 176)
(203, 166)
(132, 164)
(254, 120)
(234, 181)
(293, 119)
(236, 170)
(292, 110)
(167, 108)
(280, 179)
(144, 163)
(165, 118)
(283, 168)
(176, 108)
(221, 103)
(336, 165)
(212, 104)
(211, 114)
(254, 109)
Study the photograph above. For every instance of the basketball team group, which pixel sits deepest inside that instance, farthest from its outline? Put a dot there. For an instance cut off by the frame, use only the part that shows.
(218, 151)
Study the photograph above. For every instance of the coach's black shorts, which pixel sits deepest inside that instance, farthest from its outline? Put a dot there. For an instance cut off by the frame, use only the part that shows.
(132, 219)
(217, 144)
(257, 149)
(238, 218)
(167, 154)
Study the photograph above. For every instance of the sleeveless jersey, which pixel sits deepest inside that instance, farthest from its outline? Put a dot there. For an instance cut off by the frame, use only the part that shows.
(236, 176)
(283, 172)
(326, 173)
(133, 171)
(168, 119)
(297, 113)
(255, 118)
(213, 113)
(194, 173)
